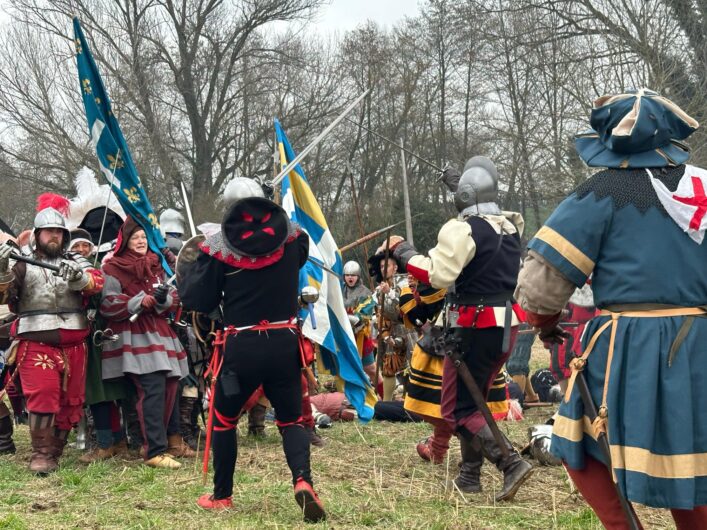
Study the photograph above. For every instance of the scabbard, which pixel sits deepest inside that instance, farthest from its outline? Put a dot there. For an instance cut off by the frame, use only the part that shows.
(591, 412)
(480, 400)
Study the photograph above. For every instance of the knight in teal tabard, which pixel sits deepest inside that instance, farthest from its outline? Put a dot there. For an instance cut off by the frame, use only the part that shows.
(638, 228)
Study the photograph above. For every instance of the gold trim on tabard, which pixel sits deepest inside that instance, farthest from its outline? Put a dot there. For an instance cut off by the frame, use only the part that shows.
(434, 297)
(662, 466)
(572, 430)
(408, 306)
(422, 407)
(575, 256)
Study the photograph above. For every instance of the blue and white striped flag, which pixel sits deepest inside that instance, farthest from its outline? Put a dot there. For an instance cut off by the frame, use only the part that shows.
(334, 334)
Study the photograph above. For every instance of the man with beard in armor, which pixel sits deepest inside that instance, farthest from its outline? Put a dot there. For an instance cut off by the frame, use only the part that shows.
(50, 331)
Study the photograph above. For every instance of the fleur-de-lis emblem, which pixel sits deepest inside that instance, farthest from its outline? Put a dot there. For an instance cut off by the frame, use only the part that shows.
(115, 161)
(87, 86)
(153, 220)
(132, 194)
(43, 361)
(79, 49)
(98, 101)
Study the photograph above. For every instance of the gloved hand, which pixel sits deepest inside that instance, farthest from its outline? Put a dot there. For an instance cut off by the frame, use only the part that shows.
(70, 271)
(268, 190)
(5, 251)
(450, 177)
(553, 335)
(148, 302)
(160, 294)
(403, 251)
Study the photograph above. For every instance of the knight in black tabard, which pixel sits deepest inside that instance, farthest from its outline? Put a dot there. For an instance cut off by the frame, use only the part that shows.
(251, 269)
(476, 258)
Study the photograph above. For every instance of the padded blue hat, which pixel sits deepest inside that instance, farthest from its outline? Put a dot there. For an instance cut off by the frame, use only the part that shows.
(635, 130)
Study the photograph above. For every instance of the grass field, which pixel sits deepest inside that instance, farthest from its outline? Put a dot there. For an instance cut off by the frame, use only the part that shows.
(368, 476)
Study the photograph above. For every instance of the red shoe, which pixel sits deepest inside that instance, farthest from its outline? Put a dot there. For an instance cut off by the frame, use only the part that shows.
(207, 502)
(311, 506)
(426, 453)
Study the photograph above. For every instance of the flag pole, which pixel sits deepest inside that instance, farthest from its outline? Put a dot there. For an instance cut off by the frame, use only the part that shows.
(105, 211)
(406, 198)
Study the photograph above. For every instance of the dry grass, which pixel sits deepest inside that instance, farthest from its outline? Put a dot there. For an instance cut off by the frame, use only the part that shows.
(367, 476)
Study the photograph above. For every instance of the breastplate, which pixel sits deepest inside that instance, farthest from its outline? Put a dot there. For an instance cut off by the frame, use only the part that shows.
(47, 303)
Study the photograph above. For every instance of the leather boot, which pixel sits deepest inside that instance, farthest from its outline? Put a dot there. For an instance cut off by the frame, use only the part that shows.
(58, 443)
(256, 420)
(188, 422)
(314, 438)
(7, 446)
(469, 478)
(515, 470)
(178, 448)
(42, 461)
(120, 449)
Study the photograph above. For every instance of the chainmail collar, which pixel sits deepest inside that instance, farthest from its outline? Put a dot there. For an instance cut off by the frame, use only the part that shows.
(631, 186)
(215, 246)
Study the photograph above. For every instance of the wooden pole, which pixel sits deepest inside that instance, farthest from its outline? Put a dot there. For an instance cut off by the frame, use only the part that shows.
(406, 198)
(359, 219)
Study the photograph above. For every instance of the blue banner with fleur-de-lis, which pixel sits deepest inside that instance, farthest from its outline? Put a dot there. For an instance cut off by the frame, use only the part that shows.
(111, 147)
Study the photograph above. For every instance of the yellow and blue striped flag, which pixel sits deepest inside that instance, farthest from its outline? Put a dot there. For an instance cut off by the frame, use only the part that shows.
(333, 333)
(114, 157)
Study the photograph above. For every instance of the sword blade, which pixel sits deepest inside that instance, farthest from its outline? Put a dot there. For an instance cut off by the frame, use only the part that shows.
(187, 207)
(391, 142)
(480, 400)
(43, 264)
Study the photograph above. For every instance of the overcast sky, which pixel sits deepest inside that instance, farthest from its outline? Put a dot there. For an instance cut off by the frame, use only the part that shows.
(343, 15)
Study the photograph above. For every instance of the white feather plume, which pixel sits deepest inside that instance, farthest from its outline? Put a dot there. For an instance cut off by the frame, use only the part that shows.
(90, 195)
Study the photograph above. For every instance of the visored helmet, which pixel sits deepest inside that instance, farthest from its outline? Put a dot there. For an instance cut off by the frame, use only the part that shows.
(477, 185)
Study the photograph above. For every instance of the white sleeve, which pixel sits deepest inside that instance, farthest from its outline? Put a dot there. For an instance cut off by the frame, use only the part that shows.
(455, 249)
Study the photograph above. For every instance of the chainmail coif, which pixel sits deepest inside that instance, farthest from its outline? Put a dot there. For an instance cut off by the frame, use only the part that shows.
(631, 186)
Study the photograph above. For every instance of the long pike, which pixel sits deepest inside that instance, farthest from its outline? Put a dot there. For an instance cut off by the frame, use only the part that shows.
(372, 235)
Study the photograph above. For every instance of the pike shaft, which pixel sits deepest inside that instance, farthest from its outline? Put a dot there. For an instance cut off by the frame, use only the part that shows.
(372, 235)
(358, 216)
